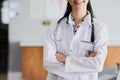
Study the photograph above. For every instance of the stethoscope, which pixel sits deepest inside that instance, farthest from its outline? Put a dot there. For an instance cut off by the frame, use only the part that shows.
(56, 39)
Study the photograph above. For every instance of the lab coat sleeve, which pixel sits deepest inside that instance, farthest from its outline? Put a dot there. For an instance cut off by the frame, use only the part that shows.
(50, 62)
(91, 64)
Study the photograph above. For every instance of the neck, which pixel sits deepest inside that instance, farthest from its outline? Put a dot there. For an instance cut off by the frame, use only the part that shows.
(78, 15)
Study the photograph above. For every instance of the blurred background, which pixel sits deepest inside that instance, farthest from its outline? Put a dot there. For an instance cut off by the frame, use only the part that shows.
(23, 24)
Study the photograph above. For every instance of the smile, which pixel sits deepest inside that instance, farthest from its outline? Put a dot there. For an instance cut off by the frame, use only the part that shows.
(78, 2)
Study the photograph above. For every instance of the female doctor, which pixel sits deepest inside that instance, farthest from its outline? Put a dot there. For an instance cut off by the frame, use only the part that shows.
(76, 47)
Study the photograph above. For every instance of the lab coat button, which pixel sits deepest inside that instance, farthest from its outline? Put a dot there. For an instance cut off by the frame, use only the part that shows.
(70, 50)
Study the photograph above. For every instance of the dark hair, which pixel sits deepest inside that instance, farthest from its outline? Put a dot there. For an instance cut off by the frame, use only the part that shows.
(69, 9)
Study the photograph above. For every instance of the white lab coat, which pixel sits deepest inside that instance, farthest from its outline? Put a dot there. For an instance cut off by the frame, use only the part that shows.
(77, 66)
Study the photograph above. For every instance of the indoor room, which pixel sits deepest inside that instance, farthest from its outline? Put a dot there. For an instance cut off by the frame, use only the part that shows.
(31, 50)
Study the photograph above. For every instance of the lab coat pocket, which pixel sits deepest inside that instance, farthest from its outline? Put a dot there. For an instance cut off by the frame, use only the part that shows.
(85, 47)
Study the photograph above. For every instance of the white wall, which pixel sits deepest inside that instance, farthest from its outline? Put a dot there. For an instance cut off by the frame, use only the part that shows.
(23, 28)
(108, 11)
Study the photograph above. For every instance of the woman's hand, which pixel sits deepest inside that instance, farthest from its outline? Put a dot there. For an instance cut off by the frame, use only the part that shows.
(93, 54)
(60, 57)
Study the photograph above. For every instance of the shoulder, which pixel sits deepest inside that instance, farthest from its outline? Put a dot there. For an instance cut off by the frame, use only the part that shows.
(99, 25)
(63, 20)
(101, 29)
(54, 24)
(101, 32)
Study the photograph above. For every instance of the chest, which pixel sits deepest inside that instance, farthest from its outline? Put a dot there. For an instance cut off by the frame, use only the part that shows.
(70, 43)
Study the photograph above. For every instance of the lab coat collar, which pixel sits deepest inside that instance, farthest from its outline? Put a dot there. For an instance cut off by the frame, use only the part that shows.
(87, 19)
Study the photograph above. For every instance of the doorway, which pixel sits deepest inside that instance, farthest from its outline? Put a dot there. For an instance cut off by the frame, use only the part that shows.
(3, 44)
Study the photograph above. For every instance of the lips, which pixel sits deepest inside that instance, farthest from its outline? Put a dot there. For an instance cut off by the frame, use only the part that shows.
(77, 2)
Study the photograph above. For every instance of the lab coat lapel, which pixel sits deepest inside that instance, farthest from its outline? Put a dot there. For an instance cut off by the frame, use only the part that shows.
(80, 34)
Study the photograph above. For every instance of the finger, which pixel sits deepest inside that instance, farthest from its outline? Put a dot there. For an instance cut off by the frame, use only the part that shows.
(57, 54)
(90, 55)
(93, 54)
